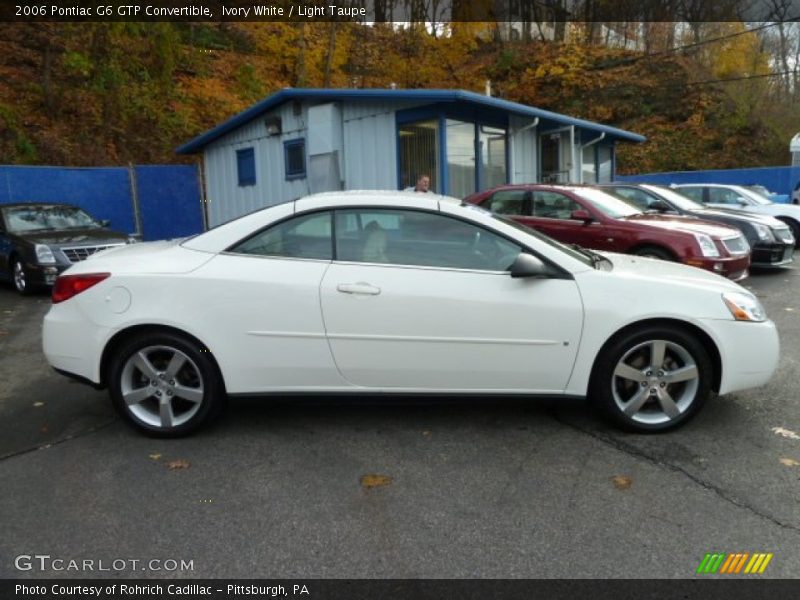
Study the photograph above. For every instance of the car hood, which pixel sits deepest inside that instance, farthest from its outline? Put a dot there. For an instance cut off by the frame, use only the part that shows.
(680, 223)
(71, 237)
(653, 269)
(165, 257)
(739, 215)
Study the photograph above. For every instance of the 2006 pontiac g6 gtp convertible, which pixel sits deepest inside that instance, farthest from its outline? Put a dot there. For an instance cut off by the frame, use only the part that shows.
(382, 292)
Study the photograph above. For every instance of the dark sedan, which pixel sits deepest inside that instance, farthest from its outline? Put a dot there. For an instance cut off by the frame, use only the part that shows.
(771, 240)
(38, 241)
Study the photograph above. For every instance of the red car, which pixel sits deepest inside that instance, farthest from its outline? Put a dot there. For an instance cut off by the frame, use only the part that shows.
(594, 219)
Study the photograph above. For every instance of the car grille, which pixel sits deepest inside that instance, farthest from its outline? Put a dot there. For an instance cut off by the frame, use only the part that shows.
(77, 254)
(737, 245)
(784, 235)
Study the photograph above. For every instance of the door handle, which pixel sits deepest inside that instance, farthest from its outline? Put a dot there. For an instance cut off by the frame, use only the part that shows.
(358, 288)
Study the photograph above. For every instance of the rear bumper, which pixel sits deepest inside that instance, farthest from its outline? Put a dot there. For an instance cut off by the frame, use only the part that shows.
(72, 344)
(773, 255)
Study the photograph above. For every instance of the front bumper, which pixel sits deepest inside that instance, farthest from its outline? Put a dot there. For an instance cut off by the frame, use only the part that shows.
(775, 254)
(749, 352)
(732, 267)
(40, 275)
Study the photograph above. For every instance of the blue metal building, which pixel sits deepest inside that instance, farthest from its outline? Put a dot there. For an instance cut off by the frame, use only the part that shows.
(301, 141)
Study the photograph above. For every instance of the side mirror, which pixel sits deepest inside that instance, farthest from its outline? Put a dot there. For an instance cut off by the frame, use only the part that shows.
(104, 222)
(660, 206)
(581, 215)
(527, 265)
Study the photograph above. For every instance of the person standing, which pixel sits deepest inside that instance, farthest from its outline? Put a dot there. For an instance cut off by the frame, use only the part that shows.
(423, 185)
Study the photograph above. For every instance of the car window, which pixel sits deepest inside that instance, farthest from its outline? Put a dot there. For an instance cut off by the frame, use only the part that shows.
(724, 196)
(408, 237)
(508, 202)
(638, 198)
(551, 205)
(305, 236)
(47, 218)
(695, 193)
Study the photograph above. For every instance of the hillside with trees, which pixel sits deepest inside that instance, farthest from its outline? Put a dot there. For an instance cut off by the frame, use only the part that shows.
(719, 96)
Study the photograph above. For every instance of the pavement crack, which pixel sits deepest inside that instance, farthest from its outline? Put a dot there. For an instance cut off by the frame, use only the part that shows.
(636, 452)
(57, 442)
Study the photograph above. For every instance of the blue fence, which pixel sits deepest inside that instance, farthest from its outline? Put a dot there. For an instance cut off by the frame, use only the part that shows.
(781, 180)
(157, 202)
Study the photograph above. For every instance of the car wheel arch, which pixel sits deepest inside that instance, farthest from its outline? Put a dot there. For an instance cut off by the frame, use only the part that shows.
(641, 247)
(122, 336)
(703, 337)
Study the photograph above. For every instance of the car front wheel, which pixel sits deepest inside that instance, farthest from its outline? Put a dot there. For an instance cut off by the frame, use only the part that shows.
(165, 384)
(652, 379)
(20, 277)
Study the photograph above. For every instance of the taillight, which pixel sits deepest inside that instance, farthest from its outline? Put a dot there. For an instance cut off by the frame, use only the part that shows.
(68, 286)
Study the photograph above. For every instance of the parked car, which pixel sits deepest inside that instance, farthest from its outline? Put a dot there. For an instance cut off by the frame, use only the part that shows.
(771, 241)
(735, 196)
(40, 240)
(594, 219)
(392, 292)
(771, 196)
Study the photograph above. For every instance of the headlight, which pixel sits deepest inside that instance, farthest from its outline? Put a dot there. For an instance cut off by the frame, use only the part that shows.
(44, 255)
(744, 307)
(707, 246)
(764, 233)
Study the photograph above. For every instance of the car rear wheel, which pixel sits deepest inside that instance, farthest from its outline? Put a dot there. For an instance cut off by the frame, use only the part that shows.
(20, 277)
(653, 252)
(652, 379)
(165, 384)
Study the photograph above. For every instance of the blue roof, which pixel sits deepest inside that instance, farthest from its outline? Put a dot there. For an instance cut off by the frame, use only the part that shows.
(419, 95)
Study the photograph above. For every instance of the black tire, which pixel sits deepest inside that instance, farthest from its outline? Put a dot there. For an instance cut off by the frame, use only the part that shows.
(613, 393)
(795, 227)
(194, 392)
(20, 278)
(653, 252)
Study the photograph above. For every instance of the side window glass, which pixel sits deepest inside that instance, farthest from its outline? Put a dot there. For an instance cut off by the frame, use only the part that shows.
(508, 202)
(406, 237)
(306, 236)
(635, 197)
(694, 193)
(722, 196)
(551, 205)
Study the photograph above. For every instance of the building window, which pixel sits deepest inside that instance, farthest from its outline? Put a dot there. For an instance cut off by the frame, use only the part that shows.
(246, 166)
(294, 155)
(419, 152)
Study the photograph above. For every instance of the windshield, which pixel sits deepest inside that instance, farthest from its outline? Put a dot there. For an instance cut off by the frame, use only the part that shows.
(751, 196)
(576, 254)
(606, 203)
(46, 218)
(674, 197)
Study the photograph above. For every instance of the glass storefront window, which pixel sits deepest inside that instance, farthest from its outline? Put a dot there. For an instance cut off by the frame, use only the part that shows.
(460, 158)
(493, 156)
(419, 153)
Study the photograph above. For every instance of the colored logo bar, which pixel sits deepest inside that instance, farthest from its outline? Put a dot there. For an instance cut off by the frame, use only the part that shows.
(735, 563)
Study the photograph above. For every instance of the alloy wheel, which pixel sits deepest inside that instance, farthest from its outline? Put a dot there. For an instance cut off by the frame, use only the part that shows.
(655, 382)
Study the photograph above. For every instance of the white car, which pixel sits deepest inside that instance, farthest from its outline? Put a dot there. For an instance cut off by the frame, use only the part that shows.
(392, 292)
(738, 197)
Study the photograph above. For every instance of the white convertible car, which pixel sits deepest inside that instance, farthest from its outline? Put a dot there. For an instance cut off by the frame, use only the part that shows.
(392, 292)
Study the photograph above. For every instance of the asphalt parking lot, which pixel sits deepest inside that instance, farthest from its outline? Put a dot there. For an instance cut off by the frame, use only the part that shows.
(313, 488)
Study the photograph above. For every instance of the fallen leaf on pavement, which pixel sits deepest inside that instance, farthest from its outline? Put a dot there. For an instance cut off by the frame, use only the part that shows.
(426, 432)
(790, 462)
(789, 309)
(3, 333)
(44, 429)
(621, 482)
(373, 481)
(178, 464)
(38, 404)
(787, 433)
(154, 456)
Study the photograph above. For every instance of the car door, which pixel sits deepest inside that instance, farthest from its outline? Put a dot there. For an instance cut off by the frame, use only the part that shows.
(5, 249)
(552, 214)
(263, 307)
(418, 300)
